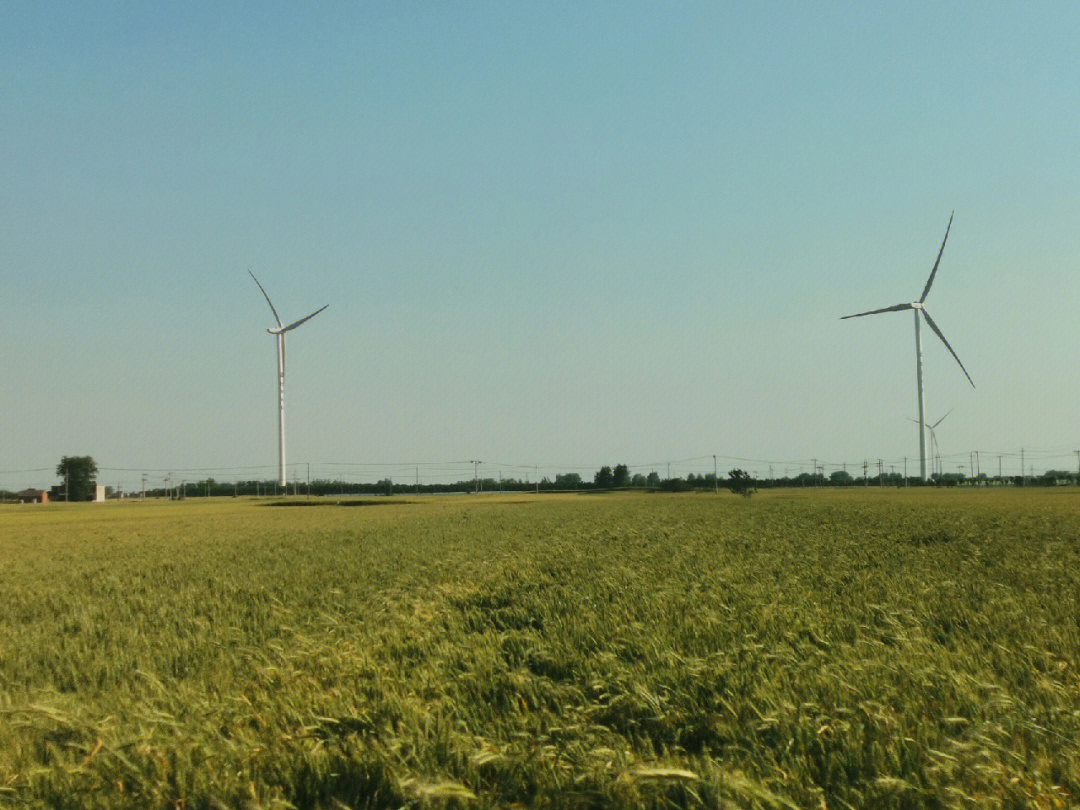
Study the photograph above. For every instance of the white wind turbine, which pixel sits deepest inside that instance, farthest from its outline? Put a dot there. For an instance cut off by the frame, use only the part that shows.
(279, 333)
(934, 452)
(917, 307)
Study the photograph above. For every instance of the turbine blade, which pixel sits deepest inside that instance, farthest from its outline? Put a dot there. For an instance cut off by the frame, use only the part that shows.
(942, 419)
(929, 281)
(267, 297)
(894, 308)
(295, 324)
(934, 326)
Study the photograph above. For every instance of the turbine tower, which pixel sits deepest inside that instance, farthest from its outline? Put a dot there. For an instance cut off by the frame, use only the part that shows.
(279, 333)
(919, 307)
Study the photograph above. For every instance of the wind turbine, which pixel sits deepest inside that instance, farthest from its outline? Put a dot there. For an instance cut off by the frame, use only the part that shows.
(934, 454)
(917, 307)
(279, 333)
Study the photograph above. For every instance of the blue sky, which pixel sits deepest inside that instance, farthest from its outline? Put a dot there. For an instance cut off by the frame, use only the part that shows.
(558, 234)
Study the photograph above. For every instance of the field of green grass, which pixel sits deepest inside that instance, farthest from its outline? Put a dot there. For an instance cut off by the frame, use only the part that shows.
(811, 649)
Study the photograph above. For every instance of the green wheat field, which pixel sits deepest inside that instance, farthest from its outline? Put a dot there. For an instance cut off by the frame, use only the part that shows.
(807, 649)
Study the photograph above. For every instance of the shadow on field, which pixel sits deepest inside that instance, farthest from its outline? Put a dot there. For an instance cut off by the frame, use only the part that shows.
(933, 537)
(336, 503)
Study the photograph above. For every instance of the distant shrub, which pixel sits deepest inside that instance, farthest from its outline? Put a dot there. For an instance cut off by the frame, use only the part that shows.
(740, 483)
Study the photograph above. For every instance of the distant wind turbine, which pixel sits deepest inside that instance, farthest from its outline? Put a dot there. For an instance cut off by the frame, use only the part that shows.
(934, 453)
(917, 307)
(279, 333)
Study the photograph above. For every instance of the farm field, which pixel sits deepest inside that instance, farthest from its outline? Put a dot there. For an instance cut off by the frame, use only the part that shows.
(817, 649)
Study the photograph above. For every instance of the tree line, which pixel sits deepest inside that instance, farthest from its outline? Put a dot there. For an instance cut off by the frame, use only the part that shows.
(78, 476)
(608, 477)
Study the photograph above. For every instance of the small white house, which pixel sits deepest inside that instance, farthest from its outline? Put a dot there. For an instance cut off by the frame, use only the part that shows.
(99, 493)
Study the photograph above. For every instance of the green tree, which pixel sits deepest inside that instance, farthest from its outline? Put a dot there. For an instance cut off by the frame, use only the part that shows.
(603, 478)
(78, 473)
(567, 481)
(621, 476)
(653, 479)
(739, 482)
(841, 478)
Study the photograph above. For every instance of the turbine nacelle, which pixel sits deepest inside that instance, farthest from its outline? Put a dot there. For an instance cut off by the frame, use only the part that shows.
(281, 330)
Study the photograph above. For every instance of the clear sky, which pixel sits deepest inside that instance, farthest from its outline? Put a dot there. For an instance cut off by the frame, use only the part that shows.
(553, 233)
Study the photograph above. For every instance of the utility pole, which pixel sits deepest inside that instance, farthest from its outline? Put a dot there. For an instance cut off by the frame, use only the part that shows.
(999, 469)
(476, 477)
(1023, 471)
(905, 471)
(814, 472)
(308, 479)
(880, 473)
(865, 480)
(536, 475)
(716, 475)
(669, 471)
(143, 495)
